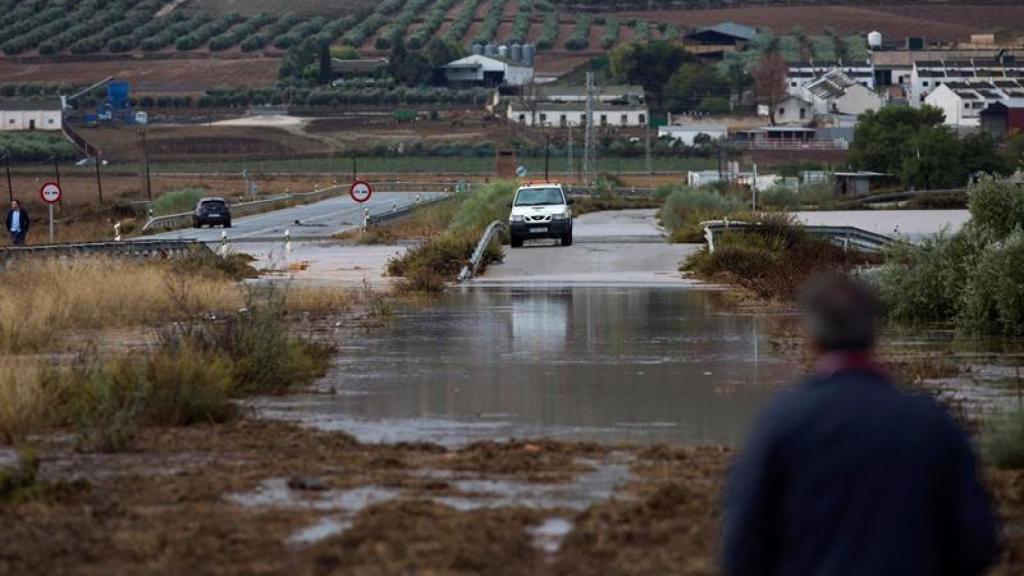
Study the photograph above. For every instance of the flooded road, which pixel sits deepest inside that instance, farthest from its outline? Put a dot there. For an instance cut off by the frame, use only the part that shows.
(581, 363)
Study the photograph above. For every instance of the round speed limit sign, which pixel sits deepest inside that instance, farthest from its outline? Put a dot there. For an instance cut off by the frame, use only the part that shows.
(360, 191)
(50, 192)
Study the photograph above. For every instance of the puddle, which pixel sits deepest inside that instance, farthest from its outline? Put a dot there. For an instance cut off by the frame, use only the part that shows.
(321, 530)
(276, 493)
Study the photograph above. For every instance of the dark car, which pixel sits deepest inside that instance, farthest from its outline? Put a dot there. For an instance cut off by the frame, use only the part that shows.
(211, 211)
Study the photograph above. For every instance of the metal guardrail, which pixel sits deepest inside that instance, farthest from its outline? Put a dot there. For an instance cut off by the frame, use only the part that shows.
(139, 249)
(470, 269)
(183, 219)
(397, 212)
(845, 236)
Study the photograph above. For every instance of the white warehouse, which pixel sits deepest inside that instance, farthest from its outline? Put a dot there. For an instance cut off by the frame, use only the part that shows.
(27, 115)
(563, 114)
(487, 70)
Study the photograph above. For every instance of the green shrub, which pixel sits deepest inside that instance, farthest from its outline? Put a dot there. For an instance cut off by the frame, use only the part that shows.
(177, 201)
(686, 207)
(924, 282)
(185, 386)
(779, 197)
(1003, 441)
(480, 207)
(997, 206)
(994, 295)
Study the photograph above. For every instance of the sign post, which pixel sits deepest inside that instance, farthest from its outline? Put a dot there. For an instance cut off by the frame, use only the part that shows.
(360, 191)
(51, 193)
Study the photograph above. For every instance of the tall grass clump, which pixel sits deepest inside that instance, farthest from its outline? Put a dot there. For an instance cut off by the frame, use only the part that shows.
(773, 260)
(95, 293)
(972, 278)
(178, 201)
(686, 207)
(1003, 441)
(23, 400)
(428, 267)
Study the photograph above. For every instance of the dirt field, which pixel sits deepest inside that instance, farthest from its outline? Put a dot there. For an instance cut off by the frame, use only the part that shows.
(259, 498)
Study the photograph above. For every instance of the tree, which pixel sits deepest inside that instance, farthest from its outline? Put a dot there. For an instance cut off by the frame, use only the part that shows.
(691, 84)
(650, 64)
(770, 85)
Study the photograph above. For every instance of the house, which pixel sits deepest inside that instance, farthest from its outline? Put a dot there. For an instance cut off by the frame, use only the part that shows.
(488, 70)
(962, 102)
(722, 37)
(687, 133)
(16, 115)
(857, 183)
(928, 75)
(574, 114)
(837, 93)
(1003, 119)
(800, 74)
(792, 110)
(549, 106)
(357, 68)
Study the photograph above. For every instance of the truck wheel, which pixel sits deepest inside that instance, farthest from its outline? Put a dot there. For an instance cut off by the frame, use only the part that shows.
(567, 239)
(227, 224)
(516, 242)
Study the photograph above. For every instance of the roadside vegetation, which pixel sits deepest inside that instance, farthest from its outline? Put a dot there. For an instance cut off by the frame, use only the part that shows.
(177, 201)
(972, 278)
(203, 338)
(426, 268)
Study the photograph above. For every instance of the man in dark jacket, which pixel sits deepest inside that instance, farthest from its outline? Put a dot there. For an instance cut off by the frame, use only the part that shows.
(848, 475)
(17, 223)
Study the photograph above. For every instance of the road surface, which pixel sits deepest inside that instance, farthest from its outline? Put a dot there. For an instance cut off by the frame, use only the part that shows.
(318, 220)
(620, 248)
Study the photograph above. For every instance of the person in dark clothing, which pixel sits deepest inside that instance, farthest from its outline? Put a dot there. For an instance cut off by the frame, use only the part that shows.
(848, 475)
(17, 223)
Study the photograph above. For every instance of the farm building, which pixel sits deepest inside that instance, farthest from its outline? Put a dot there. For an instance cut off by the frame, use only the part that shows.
(563, 114)
(801, 74)
(837, 93)
(928, 75)
(720, 38)
(857, 183)
(488, 70)
(1003, 119)
(688, 133)
(356, 68)
(17, 115)
(792, 110)
(962, 102)
(624, 93)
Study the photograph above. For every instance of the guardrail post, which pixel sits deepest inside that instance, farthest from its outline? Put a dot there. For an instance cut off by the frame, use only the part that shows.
(709, 235)
(117, 232)
(223, 243)
(366, 218)
(394, 206)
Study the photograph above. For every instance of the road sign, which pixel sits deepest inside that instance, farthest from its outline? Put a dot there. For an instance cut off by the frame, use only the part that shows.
(521, 171)
(360, 191)
(50, 192)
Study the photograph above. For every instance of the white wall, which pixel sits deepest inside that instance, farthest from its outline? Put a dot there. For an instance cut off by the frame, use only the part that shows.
(953, 106)
(553, 117)
(518, 75)
(11, 120)
(686, 134)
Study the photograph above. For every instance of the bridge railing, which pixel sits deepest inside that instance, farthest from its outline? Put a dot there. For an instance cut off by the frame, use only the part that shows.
(470, 269)
(845, 236)
(138, 249)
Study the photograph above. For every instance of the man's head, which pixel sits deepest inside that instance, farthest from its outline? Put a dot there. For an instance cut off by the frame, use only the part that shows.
(15, 204)
(840, 314)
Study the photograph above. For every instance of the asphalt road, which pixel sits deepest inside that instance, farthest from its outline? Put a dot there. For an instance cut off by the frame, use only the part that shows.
(620, 248)
(310, 221)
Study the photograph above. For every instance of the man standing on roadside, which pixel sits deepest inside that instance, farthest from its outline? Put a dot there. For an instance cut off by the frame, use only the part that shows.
(17, 223)
(848, 475)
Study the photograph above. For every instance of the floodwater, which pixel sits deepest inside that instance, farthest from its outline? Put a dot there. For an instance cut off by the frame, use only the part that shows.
(602, 364)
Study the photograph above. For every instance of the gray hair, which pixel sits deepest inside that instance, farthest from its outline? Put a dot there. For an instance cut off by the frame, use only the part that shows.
(841, 313)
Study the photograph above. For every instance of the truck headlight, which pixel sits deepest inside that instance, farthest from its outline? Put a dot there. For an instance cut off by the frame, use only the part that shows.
(516, 218)
(560, 216)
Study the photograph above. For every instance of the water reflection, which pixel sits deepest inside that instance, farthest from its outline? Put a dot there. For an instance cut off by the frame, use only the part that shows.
(601, 364)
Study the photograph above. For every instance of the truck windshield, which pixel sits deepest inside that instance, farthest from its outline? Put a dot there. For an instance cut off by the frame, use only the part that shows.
(539, 197)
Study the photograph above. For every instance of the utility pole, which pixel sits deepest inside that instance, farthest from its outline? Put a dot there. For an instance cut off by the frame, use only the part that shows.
(146, 183)
(547, 155)
(10, 187)
(569, 176)
(354, 177)
(56, 171)
(99, 182)
(588, 136)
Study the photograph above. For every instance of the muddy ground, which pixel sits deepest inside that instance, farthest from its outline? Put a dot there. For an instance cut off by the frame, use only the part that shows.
(255, 497)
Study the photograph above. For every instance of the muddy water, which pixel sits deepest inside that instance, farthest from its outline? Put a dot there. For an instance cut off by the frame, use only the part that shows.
(605, 364)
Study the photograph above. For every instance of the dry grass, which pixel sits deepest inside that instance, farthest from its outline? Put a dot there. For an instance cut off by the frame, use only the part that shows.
(317, 299)
(40, 299)
(23, 402)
